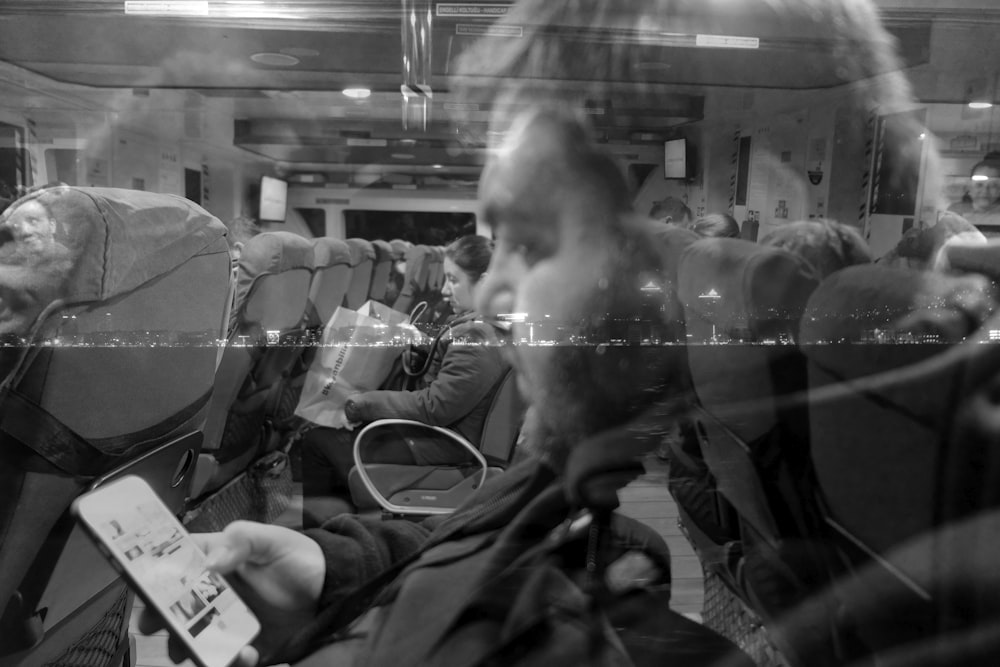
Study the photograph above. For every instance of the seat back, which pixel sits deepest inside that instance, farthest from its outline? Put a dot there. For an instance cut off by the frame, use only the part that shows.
(117, 300)
(331, 278)
(894, 426)
(438, 310)
(742, 303)
(275, 274)
(901, 441)
(380, 270)
(750, 298)
(415, 279)
(421, 489)
(394, 283)
(362, 262)
(435, 269)
(503, 422)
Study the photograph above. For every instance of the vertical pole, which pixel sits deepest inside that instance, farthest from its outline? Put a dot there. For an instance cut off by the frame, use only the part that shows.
(417, 46)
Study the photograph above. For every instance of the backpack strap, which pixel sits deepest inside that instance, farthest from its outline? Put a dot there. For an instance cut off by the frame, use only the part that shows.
(44, 434)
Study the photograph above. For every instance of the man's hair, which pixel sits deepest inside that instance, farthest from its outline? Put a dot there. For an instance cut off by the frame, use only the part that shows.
(241, 229)
(572, 52)
(851, 45)
(717, 225)
(827, 245)
(671, 209)
(471, 253)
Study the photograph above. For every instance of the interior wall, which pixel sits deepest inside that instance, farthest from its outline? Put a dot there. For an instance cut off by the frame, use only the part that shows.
(141, 147)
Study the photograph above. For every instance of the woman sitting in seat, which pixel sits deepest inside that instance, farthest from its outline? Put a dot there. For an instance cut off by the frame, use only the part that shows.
(461, 374)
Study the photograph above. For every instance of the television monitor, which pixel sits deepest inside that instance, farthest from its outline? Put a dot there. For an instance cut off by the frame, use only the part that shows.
(675, 162)
(273, 199)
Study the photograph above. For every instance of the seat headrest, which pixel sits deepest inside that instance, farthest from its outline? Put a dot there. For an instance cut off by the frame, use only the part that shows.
(270, 253)
(361, 251)
(417, 261)
(78, 244)
(399, 248)
(276, 252)
(738, 285)
(898, 304)
(328, 251)
(382, 249)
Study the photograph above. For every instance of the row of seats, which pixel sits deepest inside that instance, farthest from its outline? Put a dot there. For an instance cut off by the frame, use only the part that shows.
(287, 288)
(114, 305)
(822, 478)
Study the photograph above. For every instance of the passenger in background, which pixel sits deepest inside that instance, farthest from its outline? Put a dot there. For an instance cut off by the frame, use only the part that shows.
(827, 245)
(458, 379)
(671, 209)
(241, 229)
(716, 225)
(982, 206)
(920, 246)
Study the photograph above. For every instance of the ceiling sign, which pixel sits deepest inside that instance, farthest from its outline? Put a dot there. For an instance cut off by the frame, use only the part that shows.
(470, 9)
(727, 41)
(489, 30)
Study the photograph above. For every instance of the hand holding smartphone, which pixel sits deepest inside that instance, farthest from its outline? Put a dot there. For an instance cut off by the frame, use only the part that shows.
(161, 561)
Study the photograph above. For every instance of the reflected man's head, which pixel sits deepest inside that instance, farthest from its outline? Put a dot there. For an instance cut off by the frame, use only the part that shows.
(569, 260)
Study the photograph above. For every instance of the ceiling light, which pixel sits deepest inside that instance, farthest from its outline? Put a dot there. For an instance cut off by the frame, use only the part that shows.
(357, 93)
(274, 59)
(980, 105)
(437, 166)
(980, 177)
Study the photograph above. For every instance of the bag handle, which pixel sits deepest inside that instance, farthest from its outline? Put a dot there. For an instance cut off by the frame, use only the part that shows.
(408, 369)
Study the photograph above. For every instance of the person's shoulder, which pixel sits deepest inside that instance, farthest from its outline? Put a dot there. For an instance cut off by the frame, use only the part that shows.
(474, 330)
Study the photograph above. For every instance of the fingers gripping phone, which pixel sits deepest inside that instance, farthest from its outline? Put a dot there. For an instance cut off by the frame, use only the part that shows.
(161, 561)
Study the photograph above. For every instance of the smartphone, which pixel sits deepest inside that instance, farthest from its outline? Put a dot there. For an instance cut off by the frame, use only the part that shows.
(158, 557)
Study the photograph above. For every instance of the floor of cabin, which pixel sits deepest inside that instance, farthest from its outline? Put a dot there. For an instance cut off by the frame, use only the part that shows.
(645, 499)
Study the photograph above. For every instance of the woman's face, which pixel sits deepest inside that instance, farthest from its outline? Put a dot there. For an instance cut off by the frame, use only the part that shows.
(458, 290)
(985, 187)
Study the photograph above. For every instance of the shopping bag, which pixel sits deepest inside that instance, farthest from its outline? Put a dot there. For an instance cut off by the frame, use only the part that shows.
(383, 313)
(357, 352)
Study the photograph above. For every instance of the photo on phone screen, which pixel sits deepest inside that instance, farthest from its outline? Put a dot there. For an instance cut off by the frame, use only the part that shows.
(163, 563)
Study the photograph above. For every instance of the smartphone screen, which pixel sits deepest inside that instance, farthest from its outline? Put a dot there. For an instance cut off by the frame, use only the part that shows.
(166, 567)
